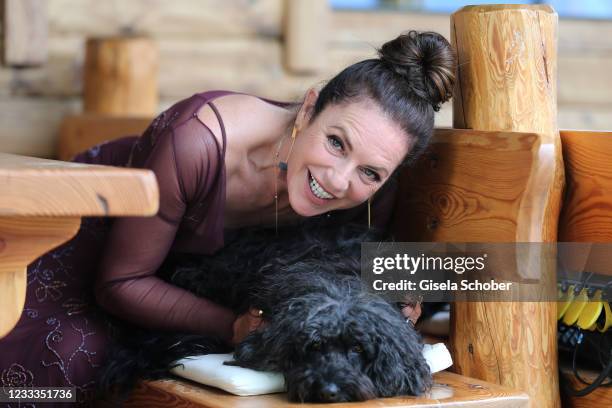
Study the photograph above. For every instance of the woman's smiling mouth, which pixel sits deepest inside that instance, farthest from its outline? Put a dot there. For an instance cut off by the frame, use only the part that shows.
(317, 189)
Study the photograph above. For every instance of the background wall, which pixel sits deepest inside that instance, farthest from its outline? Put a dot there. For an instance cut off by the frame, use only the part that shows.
(237, 44)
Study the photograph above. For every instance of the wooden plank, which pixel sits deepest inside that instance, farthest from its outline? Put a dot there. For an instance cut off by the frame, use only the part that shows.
(450, 390)
(584, 78)
(448, 195)
(202, 19)
(80, 132)
(38, 187)
(376, 27)
(41, 205)
(587, 209)
(25, 32)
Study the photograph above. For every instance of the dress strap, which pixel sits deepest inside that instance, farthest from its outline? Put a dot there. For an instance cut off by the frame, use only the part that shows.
(221, 125)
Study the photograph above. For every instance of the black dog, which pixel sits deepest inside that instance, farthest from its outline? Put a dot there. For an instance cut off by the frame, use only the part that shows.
(332, 340)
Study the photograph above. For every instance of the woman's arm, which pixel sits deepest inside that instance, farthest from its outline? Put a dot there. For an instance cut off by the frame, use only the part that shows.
(126, 284)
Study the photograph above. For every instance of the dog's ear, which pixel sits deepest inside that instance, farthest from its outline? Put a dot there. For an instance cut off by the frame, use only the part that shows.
(396, 362)
(259, 351)
(271, 348)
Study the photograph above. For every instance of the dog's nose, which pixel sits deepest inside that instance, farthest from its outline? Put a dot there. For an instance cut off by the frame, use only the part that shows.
(329, 392)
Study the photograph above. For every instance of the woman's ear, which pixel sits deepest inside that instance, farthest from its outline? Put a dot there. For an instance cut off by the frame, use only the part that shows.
(307, 110)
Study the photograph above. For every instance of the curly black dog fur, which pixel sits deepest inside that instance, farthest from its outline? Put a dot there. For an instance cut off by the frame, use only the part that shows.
(332, 340)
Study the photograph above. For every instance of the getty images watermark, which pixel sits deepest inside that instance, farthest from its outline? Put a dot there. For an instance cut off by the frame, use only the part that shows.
(443, 272)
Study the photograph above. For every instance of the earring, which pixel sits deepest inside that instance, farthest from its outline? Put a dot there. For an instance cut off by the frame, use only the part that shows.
(370, 212)
(282, 165)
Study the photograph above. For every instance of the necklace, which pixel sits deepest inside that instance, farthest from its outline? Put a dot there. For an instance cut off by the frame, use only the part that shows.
(282, 167)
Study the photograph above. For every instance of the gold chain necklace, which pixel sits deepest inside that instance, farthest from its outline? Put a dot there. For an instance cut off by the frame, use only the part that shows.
(282, 166)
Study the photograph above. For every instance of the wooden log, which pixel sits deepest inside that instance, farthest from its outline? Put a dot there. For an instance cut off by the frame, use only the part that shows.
(41, 205)
(80, 132)
(507, 81)
(450, 391)
(306, 28)
(120, 76)
(25, 32)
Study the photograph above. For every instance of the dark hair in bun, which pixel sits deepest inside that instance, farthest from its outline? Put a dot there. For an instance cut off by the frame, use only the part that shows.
(413, 76)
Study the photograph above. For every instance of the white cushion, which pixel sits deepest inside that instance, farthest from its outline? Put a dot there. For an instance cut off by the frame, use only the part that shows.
(209, 370)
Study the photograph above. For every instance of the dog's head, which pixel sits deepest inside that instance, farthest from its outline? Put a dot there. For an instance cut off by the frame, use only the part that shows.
(337, 343)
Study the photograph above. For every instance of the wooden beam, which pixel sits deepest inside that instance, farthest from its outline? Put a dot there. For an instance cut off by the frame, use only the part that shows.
(507, 81)
(80, 132)
(25, 32)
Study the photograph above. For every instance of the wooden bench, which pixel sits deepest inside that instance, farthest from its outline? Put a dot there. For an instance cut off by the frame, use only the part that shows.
(450, 390)
(586, 216)
(41, 205)
(80, 132)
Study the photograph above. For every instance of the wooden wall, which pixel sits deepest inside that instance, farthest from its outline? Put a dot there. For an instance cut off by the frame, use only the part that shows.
(237, 44)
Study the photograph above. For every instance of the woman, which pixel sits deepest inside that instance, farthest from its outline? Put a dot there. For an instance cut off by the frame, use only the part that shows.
(224, 161)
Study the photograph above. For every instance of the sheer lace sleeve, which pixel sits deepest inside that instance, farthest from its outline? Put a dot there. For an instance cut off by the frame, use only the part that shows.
(185, 159)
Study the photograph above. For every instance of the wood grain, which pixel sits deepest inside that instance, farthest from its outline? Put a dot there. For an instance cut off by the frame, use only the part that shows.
(120, 76)
(466, 186)
(80, 132)
(22, 239)
(507, 81)
(587, 208)
(38, 187)
(41, 205)
(450, 390)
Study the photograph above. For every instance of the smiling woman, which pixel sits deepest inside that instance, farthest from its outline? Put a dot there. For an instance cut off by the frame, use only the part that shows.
(224, 161)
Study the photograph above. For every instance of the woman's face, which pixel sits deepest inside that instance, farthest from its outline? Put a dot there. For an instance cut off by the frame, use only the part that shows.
(343, 156)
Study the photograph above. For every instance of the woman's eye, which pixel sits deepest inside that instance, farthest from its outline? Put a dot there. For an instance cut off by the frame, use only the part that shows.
(335, 142)
(371, 174)
(357, 349)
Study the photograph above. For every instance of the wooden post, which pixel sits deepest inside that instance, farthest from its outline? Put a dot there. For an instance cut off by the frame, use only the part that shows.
(25, 32)
(120, 76)
(507, 82)
(306, 35)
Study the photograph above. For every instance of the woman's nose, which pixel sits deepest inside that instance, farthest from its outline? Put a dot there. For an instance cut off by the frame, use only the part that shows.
(340, 182)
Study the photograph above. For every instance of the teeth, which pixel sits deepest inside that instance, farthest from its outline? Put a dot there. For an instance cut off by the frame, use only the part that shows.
(318, 191)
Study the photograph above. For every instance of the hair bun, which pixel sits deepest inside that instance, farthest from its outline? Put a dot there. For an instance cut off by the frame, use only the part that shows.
(426, 60)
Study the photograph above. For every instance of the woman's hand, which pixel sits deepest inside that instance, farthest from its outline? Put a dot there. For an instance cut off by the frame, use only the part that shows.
(411, 308)
(412, 312)
(246, 323)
